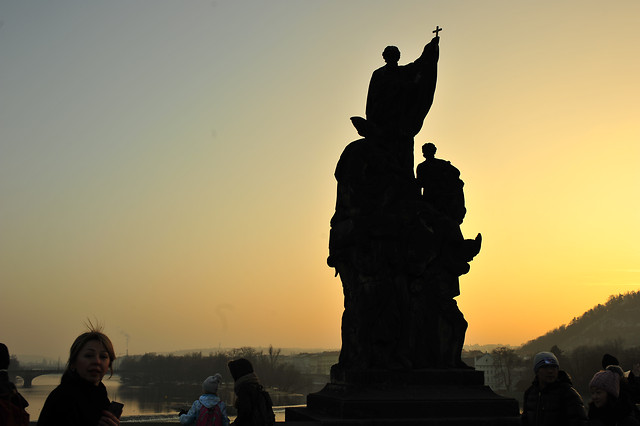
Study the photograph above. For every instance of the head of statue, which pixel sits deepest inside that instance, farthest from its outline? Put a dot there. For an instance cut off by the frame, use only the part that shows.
(429, 150)
(391, 54)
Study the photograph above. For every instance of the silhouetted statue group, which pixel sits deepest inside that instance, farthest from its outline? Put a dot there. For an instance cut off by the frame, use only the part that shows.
(395, 240)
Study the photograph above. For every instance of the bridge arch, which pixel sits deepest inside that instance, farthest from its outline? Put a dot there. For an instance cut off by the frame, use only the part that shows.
(27, 375)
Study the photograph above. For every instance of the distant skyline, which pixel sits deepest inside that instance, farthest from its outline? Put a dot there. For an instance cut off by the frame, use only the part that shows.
(37, 358)
(167, 167)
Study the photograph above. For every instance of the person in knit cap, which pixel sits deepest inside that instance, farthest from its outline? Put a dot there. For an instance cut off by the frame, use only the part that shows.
(606, 407)
(12, 404)
(208, 406)
(253, 403)
(551, 399)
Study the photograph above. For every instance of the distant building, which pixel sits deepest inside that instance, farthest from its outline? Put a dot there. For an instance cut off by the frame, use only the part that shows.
(314, 363)
(493, 374)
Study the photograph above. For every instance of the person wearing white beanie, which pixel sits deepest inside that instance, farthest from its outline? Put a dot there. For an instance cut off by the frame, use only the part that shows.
(209, 404)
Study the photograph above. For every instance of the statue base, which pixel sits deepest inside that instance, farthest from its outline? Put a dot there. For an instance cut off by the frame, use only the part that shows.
(431, 397)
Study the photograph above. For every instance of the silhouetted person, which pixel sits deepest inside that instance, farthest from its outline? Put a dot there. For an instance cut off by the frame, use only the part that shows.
(551, 400)
(208, 407)
(253, 403)
(12, 404)
(441, 184)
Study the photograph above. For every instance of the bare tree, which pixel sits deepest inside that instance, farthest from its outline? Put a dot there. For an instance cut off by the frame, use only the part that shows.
(274, 354)
(506, 360)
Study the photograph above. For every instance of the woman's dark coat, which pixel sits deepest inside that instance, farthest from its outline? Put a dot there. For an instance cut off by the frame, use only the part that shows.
(75, 402)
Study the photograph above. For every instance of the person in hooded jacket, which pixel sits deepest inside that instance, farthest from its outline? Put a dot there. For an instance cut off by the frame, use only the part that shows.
(606, 407)
(551, 400)
(208, 399)
(253, 403)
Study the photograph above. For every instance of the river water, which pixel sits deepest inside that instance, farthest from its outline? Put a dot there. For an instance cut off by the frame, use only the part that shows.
(147, 403)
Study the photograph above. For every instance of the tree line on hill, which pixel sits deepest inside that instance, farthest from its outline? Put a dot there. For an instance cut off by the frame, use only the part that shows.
(618, 319)
(195, 367)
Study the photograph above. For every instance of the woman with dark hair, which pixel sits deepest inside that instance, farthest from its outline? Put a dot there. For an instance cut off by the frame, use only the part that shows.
(81, 398)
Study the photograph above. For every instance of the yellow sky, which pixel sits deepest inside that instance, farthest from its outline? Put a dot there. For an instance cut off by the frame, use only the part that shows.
(167, 167)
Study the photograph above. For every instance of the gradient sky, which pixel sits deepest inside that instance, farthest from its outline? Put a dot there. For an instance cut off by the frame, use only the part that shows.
(166, 167)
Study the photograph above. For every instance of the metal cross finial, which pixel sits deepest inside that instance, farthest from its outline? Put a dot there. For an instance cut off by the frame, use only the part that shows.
(437, 30)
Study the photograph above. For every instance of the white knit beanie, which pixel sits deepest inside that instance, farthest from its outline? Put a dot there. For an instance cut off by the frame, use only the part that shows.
(210, 384)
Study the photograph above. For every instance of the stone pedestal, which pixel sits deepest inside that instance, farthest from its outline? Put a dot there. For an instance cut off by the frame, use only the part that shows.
(417, 397)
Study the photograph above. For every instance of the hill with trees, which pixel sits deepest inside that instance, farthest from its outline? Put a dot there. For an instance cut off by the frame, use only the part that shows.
(618, 320)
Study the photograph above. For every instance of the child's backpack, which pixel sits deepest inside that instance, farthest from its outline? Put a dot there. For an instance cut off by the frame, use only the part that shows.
(209, 416)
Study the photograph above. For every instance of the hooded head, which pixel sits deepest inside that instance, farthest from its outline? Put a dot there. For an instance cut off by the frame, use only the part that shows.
(240, 367)
(608, 360)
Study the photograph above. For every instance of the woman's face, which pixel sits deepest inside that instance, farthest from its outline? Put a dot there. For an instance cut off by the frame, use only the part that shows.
(92, 362)
(598, 397)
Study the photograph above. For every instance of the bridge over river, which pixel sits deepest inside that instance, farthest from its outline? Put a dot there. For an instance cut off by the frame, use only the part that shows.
(28, 374)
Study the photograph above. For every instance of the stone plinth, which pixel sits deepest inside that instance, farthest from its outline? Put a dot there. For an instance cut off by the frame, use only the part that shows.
(417, 397)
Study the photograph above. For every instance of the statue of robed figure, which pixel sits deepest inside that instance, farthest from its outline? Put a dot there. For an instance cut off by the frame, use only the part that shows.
(396, 244)
(398, 255)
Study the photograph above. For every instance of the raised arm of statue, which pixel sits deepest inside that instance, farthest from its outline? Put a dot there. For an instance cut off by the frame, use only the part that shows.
(430, 53)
